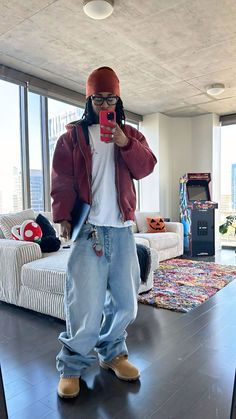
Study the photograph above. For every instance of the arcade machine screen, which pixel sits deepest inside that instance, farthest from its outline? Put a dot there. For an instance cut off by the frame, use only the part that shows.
(198, 192)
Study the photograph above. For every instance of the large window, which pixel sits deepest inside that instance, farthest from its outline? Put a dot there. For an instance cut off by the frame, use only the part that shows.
(35, 153)
(60, 114)
(228, 180)
(10, 146)
(27, 142)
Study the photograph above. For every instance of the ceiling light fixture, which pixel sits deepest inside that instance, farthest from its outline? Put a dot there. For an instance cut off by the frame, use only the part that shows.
(98, 9)
(215, 89)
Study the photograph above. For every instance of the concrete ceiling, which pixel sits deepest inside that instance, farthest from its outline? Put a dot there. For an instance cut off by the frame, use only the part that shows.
(165, 52)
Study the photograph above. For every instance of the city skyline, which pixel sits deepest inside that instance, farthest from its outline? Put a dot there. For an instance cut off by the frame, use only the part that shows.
(10, 160)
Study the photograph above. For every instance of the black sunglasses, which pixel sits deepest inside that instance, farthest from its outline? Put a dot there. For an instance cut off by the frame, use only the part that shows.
(111, 100)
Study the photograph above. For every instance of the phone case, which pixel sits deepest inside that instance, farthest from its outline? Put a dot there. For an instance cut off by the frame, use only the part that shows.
(106, 117)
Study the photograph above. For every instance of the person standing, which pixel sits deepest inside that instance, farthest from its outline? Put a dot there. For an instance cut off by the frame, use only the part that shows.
(103, 276)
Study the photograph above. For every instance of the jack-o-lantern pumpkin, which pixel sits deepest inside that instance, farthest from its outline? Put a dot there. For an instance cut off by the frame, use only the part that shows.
(156, 225)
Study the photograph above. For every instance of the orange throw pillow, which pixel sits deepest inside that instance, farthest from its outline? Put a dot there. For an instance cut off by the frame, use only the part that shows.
(156, 225)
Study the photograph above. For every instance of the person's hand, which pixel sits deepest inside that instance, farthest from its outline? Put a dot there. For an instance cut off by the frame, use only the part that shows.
(118, 137)
(65, 230)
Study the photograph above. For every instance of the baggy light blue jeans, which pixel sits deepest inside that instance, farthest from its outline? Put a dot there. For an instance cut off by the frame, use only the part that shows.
(98, 287)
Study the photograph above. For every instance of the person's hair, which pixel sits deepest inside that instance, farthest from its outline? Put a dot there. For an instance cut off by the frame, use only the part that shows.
(90, 118)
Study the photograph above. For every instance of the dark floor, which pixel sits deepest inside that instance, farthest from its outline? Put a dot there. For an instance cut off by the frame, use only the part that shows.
(187, 363)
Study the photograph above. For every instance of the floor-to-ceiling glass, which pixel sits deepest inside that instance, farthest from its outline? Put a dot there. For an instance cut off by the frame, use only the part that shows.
(228, 181)
(35, 152)
(10, 149)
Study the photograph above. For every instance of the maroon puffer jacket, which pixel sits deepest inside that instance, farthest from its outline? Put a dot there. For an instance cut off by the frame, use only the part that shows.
(72, 171)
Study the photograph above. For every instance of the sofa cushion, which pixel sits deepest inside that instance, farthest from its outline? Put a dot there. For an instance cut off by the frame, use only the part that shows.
(160, 241)
(7, 221)
(47, 273)
(141, 220)
(1, 234)
(135, 228)
(141, 240)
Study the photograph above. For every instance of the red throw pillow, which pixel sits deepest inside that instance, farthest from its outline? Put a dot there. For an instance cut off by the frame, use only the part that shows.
(156, 225)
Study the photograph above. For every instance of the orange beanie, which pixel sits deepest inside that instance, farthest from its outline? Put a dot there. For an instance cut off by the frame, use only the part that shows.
(103, 79)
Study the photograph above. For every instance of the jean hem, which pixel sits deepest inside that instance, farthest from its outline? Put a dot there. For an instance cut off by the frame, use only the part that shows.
(109, 359)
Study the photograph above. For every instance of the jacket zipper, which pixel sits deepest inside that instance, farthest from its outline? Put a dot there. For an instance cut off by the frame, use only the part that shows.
(89, 177)
(117, 185)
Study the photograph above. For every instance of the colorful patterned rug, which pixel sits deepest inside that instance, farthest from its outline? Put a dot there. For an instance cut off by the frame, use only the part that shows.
(182, 285)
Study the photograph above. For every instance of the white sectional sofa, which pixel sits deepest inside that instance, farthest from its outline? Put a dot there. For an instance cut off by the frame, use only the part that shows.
(35, 280)
(169, 244)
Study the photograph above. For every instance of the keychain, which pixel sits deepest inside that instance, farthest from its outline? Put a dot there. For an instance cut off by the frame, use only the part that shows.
(95, 243)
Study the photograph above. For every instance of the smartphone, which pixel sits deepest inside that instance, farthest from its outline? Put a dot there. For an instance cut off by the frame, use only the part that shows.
(106, 117)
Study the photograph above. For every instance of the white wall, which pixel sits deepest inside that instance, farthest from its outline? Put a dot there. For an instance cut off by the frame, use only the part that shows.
(216, 169)
(181, 158)
(149, 186)
(202, 144)
(165, 166)
(181, 145)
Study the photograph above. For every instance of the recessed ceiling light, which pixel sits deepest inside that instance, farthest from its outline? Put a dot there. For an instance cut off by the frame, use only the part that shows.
(98, 9)
(215, 89)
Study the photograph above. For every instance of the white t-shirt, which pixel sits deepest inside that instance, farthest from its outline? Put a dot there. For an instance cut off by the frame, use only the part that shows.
(105, 210)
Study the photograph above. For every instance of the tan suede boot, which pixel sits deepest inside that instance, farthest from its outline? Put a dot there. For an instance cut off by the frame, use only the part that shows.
(68, 387)
(121, 367)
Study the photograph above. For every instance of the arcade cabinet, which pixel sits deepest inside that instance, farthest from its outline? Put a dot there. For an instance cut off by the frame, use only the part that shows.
(197, 214)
